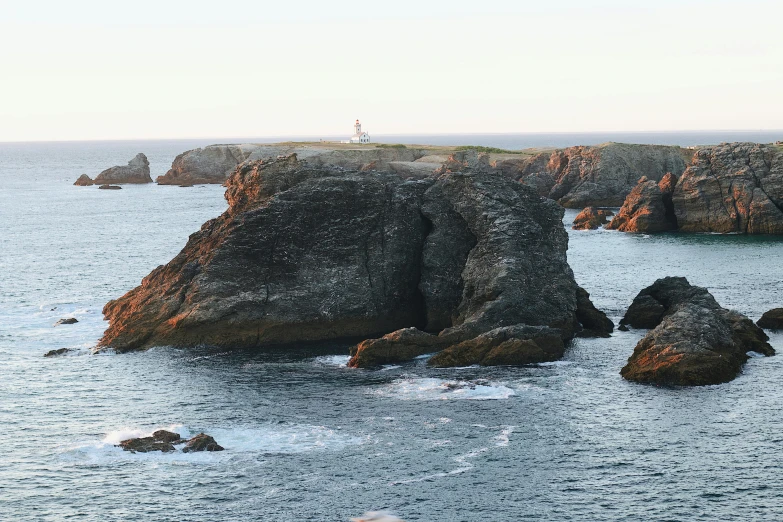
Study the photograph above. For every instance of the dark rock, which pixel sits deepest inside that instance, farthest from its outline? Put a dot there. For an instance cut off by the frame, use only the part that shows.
(84, 181)
(648, 208)
(772, 319)
(623, 328)
(311, 253)
(591, 218)
(732, 187)
(594, 322)
(202, 442)
(697, 342)
(166, 436)
(600, 176)
(109, 187)
(67, 320)
(505, 346)
(55, 353)
(136, 171)
(146, 445)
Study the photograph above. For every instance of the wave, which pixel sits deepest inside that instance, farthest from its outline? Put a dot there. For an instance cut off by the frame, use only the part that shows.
(429, 389)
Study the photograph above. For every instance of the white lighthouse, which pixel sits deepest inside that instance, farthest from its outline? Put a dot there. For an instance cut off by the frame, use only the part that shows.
(358, 135)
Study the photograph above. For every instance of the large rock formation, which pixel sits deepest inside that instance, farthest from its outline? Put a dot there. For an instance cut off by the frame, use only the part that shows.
(771, 319)
(215, 163)
(732, 187)
(694, 341)
(310, 253)
(136, 171)
(600, 176)
(648, 208)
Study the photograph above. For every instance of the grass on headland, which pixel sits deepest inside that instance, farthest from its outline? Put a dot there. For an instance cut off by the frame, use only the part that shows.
(489, 150)
(391, 146)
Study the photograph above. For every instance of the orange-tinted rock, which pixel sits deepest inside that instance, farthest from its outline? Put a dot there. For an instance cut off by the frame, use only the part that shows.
(591, 218)
(84, 181)
(648, 208)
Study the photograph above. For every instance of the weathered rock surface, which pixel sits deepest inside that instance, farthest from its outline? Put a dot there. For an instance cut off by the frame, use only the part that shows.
(311, 253)
(66, 320)
(771, 319)
(136, 171)
(215, 163)
(695, 341)
(84, 181)
(591, 218)
(648, 208)
(594, 322)
(58, 352)
(110, 187)
(732, 187)
(600, 176)
(202, 442)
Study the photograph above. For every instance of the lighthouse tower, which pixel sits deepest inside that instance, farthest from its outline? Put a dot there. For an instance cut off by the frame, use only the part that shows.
(358, 135)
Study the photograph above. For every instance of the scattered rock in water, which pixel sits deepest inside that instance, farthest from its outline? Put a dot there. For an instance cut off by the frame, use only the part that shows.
(66, 320)
(187, 185)
(55, 353)
(594, 322)
(771, 320)
(648, 207)
(167, 436)
(84, 181)
(591, 218)
(696, 341)
(136, 171)
(202, 442)
(146, 445)
(110, 187)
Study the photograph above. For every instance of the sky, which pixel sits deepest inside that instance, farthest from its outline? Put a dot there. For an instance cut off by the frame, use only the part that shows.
(88, 70)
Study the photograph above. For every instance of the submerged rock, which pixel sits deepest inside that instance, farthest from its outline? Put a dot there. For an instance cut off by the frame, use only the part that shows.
(136, 171)
(648, 208)
(600, 176)
(312, 253)
(202, 442)
(58, 352)
(591, 218)
(695, 342)
(110, 187)
(66, 320)
(771, 320)
(84, 181)
(732, 187)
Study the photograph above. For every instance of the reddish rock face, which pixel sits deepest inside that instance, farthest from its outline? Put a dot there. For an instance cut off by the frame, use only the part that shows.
(732, 187)
(84, 181)
(648, 208)
(591, 218)
(136, 171)
(694, 340)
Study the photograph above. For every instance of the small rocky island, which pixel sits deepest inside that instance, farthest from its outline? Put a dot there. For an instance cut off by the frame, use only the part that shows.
(136, 171)
(694, 341)
(314, 252)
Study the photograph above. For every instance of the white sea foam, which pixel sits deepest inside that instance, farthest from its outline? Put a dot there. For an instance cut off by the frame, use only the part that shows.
(556, 363)
(430, 389)
(503, 438)
(341, 361)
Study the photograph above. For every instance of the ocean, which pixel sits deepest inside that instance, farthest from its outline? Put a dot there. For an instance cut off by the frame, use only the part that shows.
(308, 438)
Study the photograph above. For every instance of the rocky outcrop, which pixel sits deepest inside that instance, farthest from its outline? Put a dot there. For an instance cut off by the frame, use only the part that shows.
(648, 208)
(600, 176)
(136, 171)
(202, 442)
(311, 253)
(694, 341)
(58, 352)
(166, 441)
(110, 187)
(84, 181)
(66, 320)
(732, 187)
(215, 163)
(771, 320)
(591, 218)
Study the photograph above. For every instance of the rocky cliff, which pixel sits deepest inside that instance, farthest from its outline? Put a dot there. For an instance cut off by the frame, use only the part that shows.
(215, 163)
(310, 252)
(599, 176)
(648, 208)
(732, 187)
(136, 171)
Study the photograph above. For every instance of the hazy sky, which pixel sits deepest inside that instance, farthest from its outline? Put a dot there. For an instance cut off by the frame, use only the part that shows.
(156, 69)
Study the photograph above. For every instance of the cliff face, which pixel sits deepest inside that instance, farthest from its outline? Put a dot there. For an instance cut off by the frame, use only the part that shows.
(308, 252)
(599, 176)
(648, 208)
(732, 187)
(136, 171)
(215, 163)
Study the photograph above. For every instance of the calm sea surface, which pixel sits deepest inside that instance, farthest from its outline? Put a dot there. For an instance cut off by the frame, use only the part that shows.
(308, 438)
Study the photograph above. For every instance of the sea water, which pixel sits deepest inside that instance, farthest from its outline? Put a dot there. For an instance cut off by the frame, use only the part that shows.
(306, 437)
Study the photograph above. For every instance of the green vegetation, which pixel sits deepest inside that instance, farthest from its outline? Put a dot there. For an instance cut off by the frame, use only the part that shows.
(491, 150)
(391, 146)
